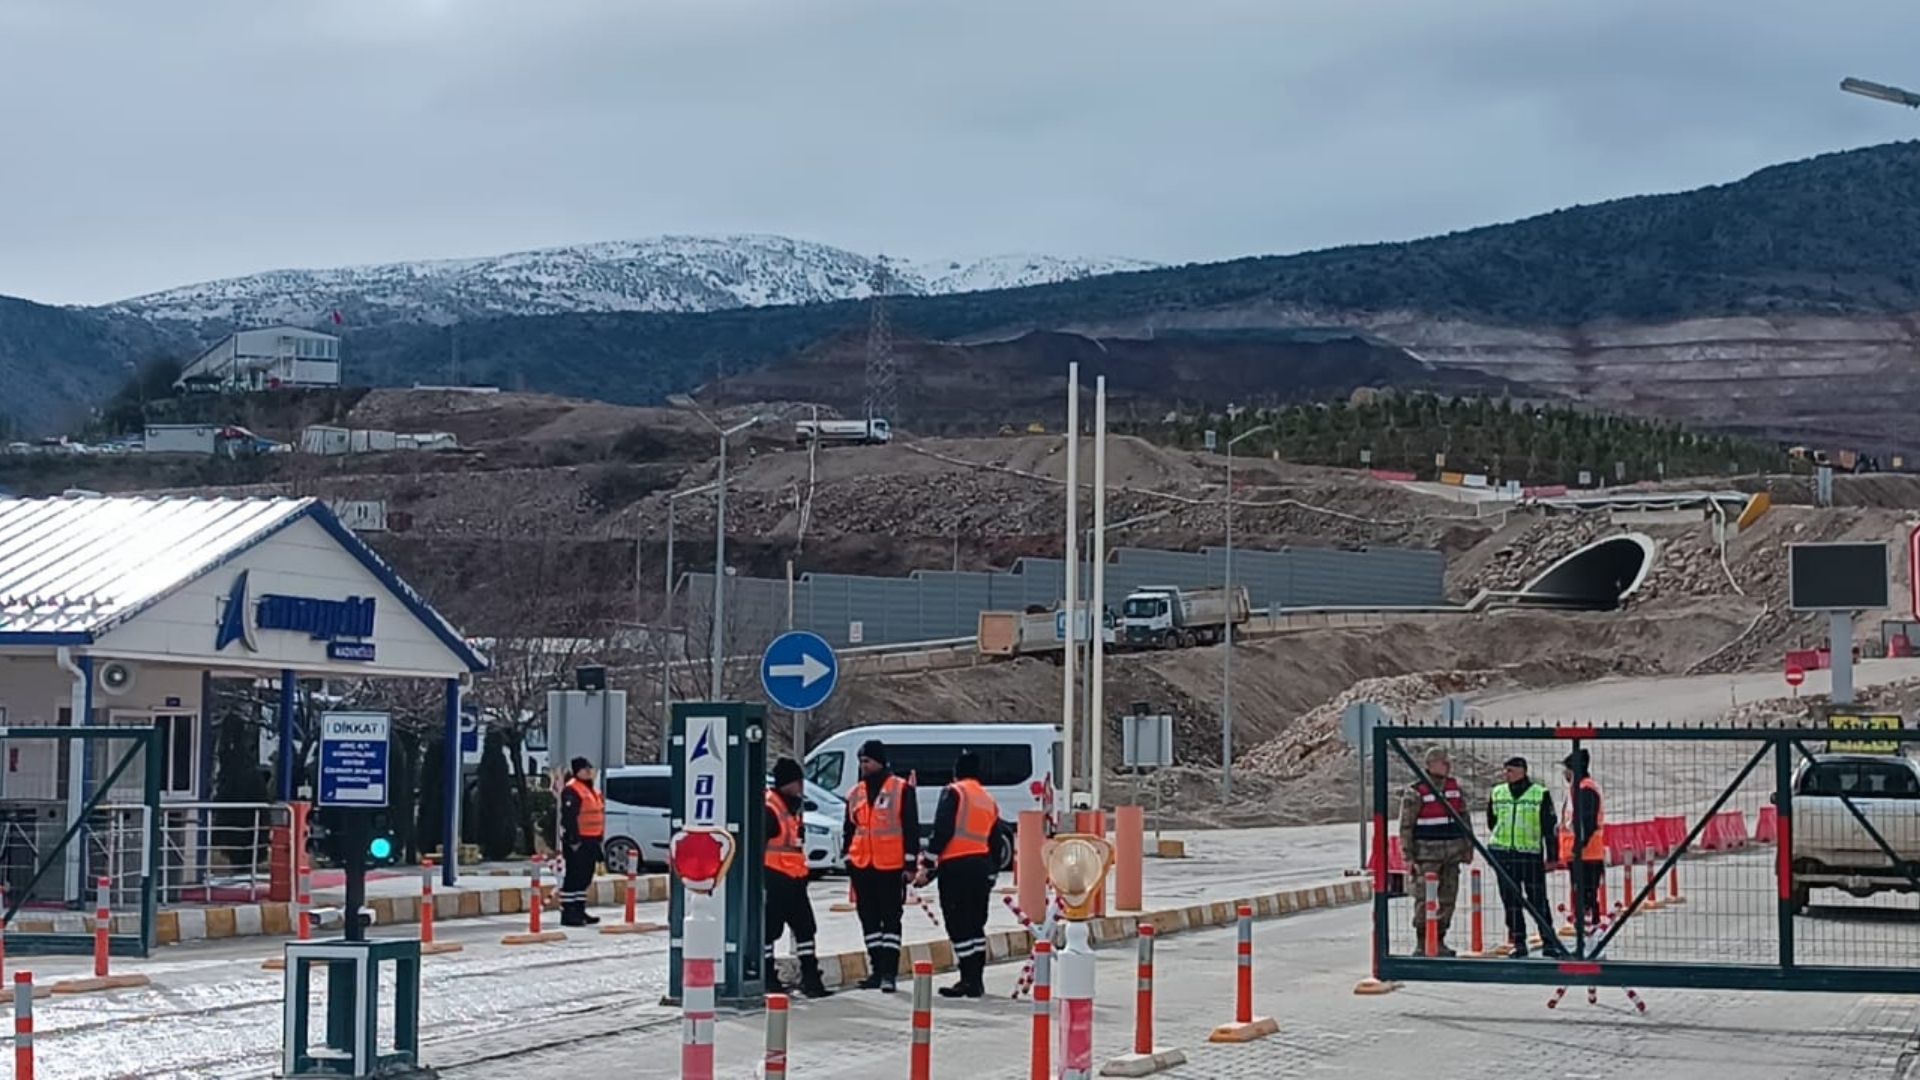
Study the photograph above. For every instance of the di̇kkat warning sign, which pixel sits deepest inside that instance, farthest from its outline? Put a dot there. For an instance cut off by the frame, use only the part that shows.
(1864, 722)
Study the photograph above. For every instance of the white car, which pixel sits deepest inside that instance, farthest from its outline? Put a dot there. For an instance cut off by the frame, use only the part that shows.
(639, 809)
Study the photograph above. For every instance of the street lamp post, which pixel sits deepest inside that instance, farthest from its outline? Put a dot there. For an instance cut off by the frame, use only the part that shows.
(1226, 659)
(666, 622)
(1881, 92)
(720, 550)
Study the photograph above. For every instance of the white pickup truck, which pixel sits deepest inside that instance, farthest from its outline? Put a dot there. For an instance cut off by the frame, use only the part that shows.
(1831, 849)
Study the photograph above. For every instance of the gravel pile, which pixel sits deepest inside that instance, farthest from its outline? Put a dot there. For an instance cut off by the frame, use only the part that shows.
(1314, 740)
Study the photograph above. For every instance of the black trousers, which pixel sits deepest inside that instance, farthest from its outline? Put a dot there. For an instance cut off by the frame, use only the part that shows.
(879, 896)
(1523, 887)
(966, 891)
(789, 908)
(1587, 875)
(577, 878)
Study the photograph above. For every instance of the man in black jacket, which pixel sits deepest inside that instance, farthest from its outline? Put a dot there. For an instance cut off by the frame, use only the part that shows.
(583, 825)
(963, 830)
(786, 879)
(1587, 859)
(1521, 830)
(881, 843)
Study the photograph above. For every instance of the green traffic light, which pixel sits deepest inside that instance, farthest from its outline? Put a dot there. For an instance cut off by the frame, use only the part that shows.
(381, 847)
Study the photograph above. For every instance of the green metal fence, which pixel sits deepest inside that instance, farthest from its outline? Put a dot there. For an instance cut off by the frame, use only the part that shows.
(1744, 858)
(56, 845)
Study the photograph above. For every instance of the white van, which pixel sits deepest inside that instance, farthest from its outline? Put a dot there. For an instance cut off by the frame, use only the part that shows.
(1018, 763)
(640, 806)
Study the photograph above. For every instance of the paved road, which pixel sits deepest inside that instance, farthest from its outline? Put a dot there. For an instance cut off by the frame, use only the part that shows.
(1671, 700)
(1306, 967)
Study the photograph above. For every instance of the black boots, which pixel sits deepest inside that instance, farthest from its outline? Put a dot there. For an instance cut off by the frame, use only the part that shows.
(810, 983)
(574, 914)
(884, 965)
(971, 984)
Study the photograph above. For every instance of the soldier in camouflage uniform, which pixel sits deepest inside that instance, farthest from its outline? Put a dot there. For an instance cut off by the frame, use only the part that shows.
(1436, 842)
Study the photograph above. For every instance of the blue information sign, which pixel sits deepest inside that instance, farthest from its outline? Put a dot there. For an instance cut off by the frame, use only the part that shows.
(353, 759)
(799, 671)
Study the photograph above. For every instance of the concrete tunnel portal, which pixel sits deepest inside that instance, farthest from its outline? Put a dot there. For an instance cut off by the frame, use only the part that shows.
(1597, 577)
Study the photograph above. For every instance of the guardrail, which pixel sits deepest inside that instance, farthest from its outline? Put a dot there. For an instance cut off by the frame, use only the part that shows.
(210, 851)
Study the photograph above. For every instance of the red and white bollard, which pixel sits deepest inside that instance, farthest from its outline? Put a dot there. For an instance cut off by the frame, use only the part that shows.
(1146, 1058)
(23, 1025)
(1042, 1056)
(920, 1063)
(775, 1066)
(103, 977)
(1245, 1027)
(428, 946)
(631, 924)
(534, 935)
(1673, 884)
(303, 898)
(1433, 914)
(1476, 939)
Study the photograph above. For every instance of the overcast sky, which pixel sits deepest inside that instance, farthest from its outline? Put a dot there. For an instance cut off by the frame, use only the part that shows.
(151, 143)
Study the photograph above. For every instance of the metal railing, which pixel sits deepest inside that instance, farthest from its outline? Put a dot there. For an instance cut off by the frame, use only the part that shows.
(212, 851)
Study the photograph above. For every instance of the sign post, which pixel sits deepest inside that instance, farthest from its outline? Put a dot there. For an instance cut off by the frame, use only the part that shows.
(1838, 579)
(354, 786)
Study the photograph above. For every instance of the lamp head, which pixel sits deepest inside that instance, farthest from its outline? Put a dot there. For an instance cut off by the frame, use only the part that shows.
(1077, 866)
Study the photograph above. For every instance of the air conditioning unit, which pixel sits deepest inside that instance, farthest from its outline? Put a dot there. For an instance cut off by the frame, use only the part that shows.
(115, 677)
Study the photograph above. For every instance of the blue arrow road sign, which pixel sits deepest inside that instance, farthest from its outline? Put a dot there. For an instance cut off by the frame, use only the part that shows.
(799, 671)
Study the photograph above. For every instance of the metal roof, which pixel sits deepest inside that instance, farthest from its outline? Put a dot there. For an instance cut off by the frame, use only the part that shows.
(78, 565)
(72, 568)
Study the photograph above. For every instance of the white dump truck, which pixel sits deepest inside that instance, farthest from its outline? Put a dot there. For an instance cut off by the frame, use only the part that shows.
(847, 432)
(1168, 616)
(1832, 793)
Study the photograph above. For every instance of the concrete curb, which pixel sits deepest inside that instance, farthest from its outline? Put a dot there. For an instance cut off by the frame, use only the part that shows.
(847, 968)
(175, 925)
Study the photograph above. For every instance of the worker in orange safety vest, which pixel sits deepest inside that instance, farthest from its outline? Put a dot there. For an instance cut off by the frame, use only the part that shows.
(882, 846)
(964, 826)
(786, 879)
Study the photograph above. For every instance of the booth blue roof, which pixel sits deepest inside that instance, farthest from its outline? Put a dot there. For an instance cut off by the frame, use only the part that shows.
(73, 567)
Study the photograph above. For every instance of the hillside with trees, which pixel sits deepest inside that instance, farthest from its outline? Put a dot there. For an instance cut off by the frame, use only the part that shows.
(1507, 441)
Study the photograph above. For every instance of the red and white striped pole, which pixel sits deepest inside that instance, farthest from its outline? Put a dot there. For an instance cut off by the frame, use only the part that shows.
(920, 1065)
(1076, 1003)
(102, 926)
(1433, 914)
(776, 1062)
(23, 1025)
(1243, 962)
(1042, 1056)
(1477, 941)
(699, 959)
(426, 901)
(1245, 1028)
(533, 903)
(1143, 995)
(633, 895)
(302, 899)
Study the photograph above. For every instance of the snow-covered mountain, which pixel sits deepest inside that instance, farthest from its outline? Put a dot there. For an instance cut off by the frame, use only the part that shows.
(667, 273)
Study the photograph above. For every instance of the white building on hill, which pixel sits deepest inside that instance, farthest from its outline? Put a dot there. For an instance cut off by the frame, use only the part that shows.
(269, 358)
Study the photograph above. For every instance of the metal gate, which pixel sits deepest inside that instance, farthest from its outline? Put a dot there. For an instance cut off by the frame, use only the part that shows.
(87, 811)
(1705, 879)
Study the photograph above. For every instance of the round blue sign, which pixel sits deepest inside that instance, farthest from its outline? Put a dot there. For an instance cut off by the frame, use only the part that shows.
(799, 671)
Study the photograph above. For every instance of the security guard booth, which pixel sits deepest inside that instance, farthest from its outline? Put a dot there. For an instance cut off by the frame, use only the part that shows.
(736, 733)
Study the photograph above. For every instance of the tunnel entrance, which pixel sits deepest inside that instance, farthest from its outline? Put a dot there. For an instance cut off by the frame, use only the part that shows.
(1596, 577)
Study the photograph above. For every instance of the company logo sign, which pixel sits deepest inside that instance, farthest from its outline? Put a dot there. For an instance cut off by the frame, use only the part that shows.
(330, 621)
(706, 772)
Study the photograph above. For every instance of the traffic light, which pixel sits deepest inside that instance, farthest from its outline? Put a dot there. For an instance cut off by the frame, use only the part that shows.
(381, 848)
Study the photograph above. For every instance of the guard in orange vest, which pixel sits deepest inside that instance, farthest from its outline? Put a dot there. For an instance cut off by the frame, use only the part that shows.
(786, 879)
(882, 839)
(583, 825)
(1584, 849)
(962, 845)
